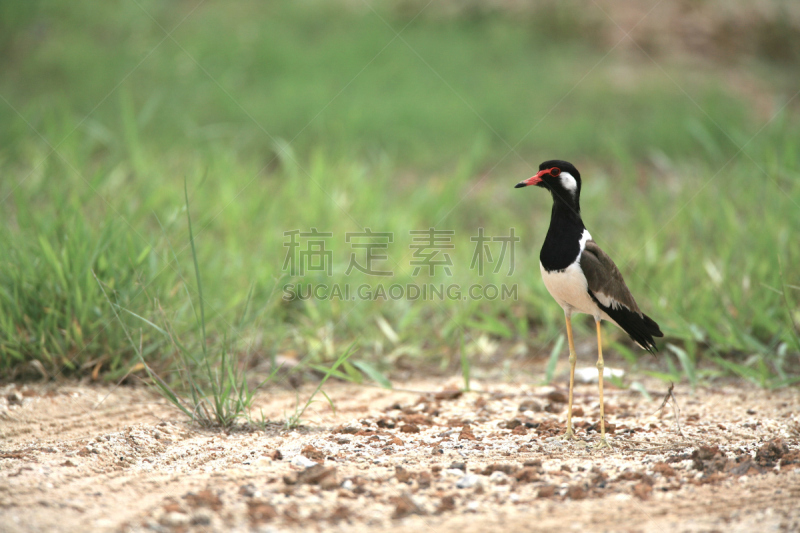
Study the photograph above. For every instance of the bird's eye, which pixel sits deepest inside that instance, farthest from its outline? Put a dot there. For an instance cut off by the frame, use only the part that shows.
(555, 171)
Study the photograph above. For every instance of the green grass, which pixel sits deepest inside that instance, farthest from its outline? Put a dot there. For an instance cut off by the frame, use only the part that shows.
(292, 116)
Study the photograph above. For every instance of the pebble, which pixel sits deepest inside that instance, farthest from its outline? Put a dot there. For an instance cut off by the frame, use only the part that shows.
(468, 481)
(201, 518)
(302, 461)
(14, 398)
(174, 519)
(498, 477)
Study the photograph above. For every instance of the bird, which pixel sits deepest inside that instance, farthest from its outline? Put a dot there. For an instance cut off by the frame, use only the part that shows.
(582, 278)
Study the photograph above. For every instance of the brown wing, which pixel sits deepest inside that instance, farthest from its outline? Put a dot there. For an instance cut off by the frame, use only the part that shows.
(605, 280)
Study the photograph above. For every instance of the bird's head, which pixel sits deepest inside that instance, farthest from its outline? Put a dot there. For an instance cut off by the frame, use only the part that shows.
(562, 179)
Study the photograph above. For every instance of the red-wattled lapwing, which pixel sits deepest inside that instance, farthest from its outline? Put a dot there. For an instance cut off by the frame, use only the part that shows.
(581, 277)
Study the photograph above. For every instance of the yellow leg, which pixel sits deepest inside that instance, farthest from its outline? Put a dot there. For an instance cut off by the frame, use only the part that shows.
(603, 442)
(570, 434)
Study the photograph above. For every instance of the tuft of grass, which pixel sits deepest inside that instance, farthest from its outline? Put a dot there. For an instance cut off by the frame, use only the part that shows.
(296, 418)
(50, 306)
(217, 389)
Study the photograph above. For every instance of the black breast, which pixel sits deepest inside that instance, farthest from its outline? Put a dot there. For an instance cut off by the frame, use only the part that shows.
(563, 241)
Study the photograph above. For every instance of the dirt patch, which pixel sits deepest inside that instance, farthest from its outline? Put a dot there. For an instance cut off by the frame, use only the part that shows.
(73, 458)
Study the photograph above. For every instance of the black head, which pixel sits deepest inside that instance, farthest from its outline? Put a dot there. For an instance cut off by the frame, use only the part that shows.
(561, 178)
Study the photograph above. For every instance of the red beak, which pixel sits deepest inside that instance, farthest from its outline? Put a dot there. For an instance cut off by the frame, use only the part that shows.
(533, 180)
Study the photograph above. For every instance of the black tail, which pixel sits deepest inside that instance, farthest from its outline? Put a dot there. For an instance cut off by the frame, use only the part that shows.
(640, 328)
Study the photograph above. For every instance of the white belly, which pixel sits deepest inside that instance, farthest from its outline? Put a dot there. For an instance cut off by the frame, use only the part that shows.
(570, 290)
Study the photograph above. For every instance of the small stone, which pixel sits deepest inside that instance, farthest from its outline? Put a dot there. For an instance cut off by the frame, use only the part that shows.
(771, 452)
(173, 507)
(248, 491)
(424, 480)
(313, 453)
(448, 394)
(329, 482)
(466, 433)
(554, 407)
(498, 478)
(405, 506)
(531, 405)
(320, 475)
(174, 519)
(664, 469)
(643, 490)
(402, 475)
(303, 462)
(576, 492)
(14, 398)
(500, 467)
(468, 481)
(546, 491)
(447, 503)
(260, 511)
(459, 466)
(557, 396)
(386, 423)
(201, 518)
(340, 513)
(527, 474)
(204, 498)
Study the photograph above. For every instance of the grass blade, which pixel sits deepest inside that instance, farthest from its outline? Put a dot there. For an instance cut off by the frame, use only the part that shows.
(552, 361)
(373, 373)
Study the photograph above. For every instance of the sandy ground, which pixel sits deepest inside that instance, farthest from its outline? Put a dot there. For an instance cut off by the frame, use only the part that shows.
(78, 458)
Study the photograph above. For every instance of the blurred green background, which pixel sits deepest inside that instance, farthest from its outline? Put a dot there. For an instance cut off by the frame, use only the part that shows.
(396, 116)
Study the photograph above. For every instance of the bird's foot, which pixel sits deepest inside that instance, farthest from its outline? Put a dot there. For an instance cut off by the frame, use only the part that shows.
(569, 435)
(603, 443)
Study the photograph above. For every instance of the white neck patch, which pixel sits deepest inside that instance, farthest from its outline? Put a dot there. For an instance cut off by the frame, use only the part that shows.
(585, 237)
(568, 182)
